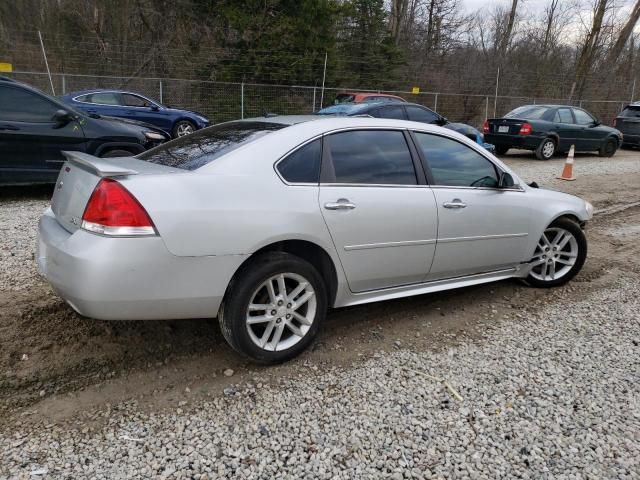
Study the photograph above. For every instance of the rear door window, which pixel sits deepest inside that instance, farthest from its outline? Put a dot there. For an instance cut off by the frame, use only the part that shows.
(204, 146)
(563, 115)
(423, 115)
(379, 157)
(454, 164)
(20, 105)
(303, 165)
(105, 98)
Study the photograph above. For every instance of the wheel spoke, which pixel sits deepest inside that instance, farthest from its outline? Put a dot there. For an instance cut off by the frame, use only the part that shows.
(545, 240)
(536, 262)
(552, 270)
(568, 254)
(267, 333)
(301, 318)
(296, 291)
(260, 307)
(543, 272)
(272, 293)
(282, 288)
(563, 261)
(302, 300)
(296, 331)
(258, 319)
(277, 335)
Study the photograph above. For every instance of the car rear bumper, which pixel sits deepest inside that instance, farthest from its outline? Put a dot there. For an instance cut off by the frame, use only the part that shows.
(528, 142)
(130, 278)
(629, 139)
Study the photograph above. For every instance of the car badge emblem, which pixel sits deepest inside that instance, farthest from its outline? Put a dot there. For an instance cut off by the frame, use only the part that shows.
(60, 185)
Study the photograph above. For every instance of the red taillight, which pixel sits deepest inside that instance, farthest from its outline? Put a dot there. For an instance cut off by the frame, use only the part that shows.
(485, 127)
(525, 129)
(615, 122)
(112, 210)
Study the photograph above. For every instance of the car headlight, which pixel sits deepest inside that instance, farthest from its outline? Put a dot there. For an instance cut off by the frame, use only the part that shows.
(154, 136)
(589, 208)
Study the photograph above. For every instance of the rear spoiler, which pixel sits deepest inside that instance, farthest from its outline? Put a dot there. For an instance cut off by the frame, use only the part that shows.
(101, 166)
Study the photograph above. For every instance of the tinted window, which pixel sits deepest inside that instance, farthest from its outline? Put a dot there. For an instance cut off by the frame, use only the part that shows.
(632, 112)
(20, 105)
(396, 112)
(372, 157)
(83, 98)
(563, 115)
(135, 101)
(530, 112)
(455, 164)
(303, 165)
(582, 117)
(202, 147)
(418, 114)
(106, 98)
(344, 98)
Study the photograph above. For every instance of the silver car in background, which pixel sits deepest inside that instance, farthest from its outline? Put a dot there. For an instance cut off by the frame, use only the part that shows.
(266, 223)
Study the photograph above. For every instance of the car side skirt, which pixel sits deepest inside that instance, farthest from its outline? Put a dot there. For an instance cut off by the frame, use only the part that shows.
(518, 271)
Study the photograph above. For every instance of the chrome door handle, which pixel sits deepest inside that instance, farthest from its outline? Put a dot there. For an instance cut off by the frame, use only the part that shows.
(341, 204)
(456, 203)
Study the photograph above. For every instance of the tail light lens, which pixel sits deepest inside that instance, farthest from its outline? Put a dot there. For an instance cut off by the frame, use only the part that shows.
(525, 129)
(113, 211)
(485, 127)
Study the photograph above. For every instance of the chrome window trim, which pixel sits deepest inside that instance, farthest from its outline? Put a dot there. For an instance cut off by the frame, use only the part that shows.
(76, 99)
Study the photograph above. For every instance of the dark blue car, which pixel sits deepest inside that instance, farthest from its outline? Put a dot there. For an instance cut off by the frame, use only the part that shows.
(117, 103)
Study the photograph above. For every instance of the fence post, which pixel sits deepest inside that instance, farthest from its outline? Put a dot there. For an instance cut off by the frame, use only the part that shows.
(435, 104)
(160, 88)
(633, 90)
(64, 85)
(486, 108)
(242, 100)
(314, 100)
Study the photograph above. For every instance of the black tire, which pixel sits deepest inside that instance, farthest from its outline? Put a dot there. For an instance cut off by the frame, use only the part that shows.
(179, 127)
(544, 150)
(581, 240)
(233, 311)
(501, 149)
(117, 153)
(608, 148)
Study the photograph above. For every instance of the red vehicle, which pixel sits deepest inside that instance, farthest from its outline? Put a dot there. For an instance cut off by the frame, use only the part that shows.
(358, 97)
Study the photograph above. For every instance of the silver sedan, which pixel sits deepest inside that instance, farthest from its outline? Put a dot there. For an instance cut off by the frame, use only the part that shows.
(266, 223)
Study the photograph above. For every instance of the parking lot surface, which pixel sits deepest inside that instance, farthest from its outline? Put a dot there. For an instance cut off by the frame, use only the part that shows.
(544, 383)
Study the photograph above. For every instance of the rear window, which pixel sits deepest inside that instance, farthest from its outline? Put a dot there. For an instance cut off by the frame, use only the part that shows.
(631, 112)
(530, 112)
(204, 146)
(344, 109)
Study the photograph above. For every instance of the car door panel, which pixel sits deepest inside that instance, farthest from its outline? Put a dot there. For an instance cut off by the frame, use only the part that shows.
(567, 130)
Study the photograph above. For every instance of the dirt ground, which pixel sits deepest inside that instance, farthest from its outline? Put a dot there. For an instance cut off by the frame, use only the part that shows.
(56, 364)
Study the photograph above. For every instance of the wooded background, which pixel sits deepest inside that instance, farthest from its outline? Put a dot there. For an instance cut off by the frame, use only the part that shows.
(571, 50)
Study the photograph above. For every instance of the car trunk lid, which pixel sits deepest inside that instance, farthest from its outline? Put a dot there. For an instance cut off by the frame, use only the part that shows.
(505, 126)
(79, 176)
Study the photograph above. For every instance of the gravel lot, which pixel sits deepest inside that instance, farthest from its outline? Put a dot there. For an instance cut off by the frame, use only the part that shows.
(549, 379)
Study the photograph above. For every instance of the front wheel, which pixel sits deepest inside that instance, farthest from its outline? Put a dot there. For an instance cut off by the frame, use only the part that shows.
(182, 128)
(502, 149)
(608, 148)
(274, 308)
(559, 255)
(546, 149)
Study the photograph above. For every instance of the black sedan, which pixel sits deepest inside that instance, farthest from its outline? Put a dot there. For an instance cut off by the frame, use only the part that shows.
(628, 122)
(551, 129)
(35, 128)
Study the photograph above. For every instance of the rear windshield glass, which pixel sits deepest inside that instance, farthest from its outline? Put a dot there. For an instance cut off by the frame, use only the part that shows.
(204, 146)
(528, 111)
(344, 98)
(633, 112)
(344, 109)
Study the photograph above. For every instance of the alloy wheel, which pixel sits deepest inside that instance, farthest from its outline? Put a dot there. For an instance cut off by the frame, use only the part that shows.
(548, 149)
(184, 129)
(281, 311)
(555, 255)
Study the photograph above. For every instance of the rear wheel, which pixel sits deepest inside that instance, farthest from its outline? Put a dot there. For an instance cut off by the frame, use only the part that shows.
(546, 149)
(501, 149)
(273, 308)
(117, 153)
(608, 148)
(559, 255)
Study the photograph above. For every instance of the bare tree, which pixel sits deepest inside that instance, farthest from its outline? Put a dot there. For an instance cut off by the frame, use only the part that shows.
(624, 35)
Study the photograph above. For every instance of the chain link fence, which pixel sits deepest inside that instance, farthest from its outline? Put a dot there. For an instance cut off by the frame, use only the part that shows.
(223, 101)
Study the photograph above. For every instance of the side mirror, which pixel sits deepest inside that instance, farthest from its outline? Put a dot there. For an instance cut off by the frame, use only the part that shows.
(62, 117)
(506, 181)
(595, 123)
(155, 108)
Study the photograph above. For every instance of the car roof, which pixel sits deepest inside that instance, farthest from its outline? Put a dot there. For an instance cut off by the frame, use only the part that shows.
(101, 90)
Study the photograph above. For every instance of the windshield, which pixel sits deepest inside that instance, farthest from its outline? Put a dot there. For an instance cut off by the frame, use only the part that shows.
(631, 112)
(344, 109)
(528, 111)
(204, 146)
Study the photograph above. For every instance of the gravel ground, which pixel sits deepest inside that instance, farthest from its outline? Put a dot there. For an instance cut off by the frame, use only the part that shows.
(553, 396)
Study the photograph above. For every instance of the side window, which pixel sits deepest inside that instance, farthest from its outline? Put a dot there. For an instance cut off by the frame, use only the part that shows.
(423, 115)
(372, 157)
(454, 164)
(20, 105)
(83, 98)
(582, 117)
(303, 165)
(563, 115)
(105, 98)
(134, 101)
(396, 112)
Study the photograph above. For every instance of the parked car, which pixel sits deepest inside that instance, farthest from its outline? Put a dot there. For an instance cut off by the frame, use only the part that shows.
(35, 128)
(551, 129)
(118, 103)
(359, 97)
(405, 111)
(628, 122)
(266, 223)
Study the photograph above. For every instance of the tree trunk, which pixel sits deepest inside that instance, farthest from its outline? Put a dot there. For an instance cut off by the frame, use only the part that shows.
(623, 36)
(585, 60)
(506, 37)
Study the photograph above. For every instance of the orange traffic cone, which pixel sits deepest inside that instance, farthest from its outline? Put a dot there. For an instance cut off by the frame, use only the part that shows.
(567, 171)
